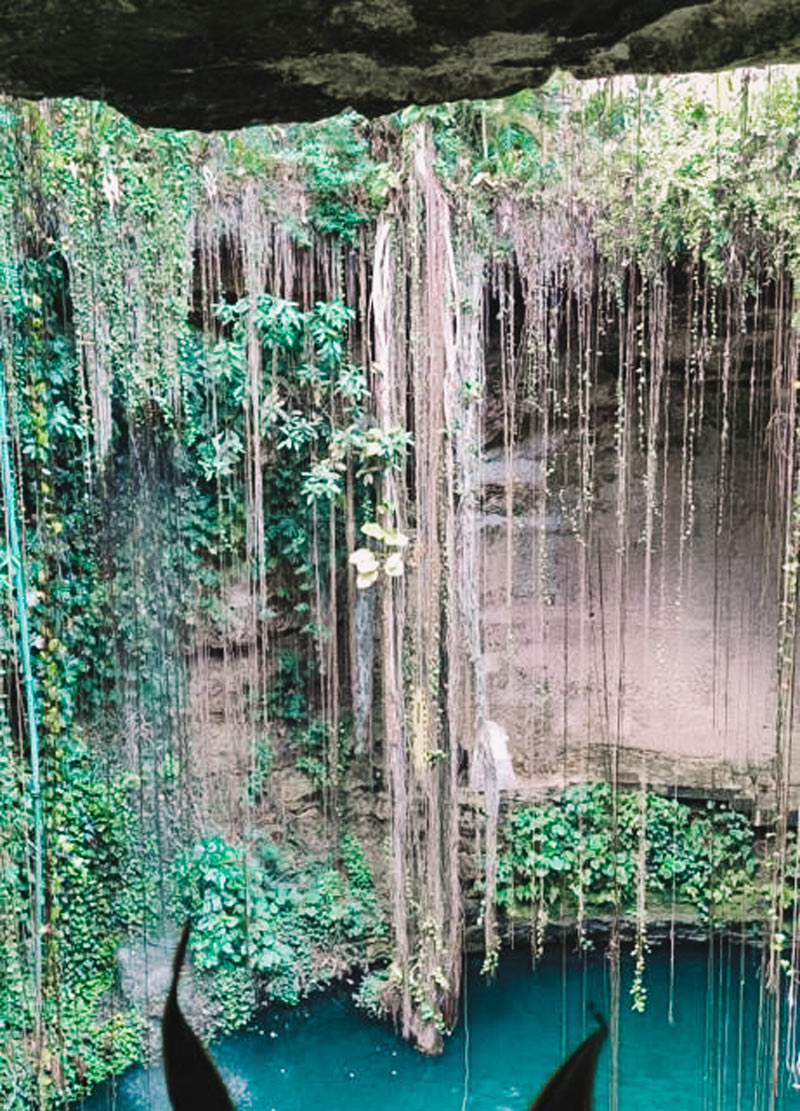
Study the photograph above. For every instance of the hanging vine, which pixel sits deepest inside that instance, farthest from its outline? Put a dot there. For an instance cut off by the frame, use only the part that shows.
(401, 458)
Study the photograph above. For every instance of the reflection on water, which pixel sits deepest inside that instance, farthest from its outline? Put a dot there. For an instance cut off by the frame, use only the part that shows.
(714, 1056)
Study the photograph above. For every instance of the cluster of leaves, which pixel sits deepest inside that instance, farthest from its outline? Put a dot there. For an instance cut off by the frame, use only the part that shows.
(703, 166)
(264, 928)
(586, 844)
(311, 404)
(327, 168)
(345, 185)
(94, 890)
(16, 1005)
(288, 698)
(370, 995)
(313, 745)
(368, 562)
(309, 736)
(96, 895)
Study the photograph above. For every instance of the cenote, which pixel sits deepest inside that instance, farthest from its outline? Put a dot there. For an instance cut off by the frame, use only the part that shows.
(711, 1055)
(401, 542)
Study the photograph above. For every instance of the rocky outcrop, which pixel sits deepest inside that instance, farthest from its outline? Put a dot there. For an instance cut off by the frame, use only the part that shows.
(182, 64)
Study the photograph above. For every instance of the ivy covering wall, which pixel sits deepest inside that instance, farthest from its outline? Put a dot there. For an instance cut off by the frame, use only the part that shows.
(255, 362)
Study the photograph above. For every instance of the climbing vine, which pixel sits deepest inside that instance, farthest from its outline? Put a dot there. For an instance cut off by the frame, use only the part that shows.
(249, 391)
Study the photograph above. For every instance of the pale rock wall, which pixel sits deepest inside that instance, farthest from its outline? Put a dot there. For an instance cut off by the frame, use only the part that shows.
(578, 662)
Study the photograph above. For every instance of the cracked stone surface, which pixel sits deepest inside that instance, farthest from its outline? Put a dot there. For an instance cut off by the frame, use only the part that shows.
(193, 63)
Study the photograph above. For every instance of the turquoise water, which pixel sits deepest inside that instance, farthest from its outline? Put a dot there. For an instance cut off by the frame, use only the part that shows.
(327, 1054)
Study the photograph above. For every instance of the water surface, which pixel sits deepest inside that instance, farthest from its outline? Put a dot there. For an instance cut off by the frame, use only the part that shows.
(327, 1055)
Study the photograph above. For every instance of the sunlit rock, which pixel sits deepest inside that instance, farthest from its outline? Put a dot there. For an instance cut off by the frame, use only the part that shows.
(493, 759)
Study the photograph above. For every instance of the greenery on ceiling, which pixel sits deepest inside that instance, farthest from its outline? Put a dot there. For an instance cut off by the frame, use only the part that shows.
(125, 324)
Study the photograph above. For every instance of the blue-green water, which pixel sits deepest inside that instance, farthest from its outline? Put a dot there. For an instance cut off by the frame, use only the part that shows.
(326, 1054)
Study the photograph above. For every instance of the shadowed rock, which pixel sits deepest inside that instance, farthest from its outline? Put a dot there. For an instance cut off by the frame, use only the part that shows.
(178, 63)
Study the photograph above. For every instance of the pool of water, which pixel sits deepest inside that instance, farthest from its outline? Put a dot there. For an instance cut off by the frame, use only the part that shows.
(712, 1056)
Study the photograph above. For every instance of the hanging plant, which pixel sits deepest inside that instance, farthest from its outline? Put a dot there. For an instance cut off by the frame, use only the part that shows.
(638, 989)
(369, 563)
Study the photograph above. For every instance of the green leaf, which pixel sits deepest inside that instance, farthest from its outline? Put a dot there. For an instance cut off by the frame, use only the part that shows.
(394, 565)
(374, 530)
(365, 561)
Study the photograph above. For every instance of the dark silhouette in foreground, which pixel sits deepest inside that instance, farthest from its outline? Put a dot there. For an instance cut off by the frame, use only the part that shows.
(194, 1084)
(571, 1085)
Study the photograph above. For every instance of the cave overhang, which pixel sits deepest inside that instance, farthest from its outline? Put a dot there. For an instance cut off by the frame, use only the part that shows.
(184, 64)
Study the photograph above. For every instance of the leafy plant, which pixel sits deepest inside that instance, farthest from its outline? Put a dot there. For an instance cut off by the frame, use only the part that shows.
(369, 996)
(314, 744)
(367, 563)
(262, 930)
(586, 843)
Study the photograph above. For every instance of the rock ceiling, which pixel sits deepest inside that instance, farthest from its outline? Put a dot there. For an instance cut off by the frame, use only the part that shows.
(193, 63)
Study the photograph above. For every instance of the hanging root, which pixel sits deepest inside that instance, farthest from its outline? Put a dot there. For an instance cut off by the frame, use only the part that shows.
(193, 1082)
(571, 1085)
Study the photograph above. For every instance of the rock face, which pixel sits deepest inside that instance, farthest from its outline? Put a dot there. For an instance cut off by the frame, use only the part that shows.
(180, 63)
(696, 703)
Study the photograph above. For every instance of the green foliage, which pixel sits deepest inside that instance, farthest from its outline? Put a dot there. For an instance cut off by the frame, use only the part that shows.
(345, 185)
(331, 163)
(255, 788)
(95, 888)
(313, 745)
(136, 434)
(96, 895)
(310, 398)
(92, 844)
(265, 929)
(16, 1005)
(288, 695)
(696, 166)
(355, 863)
(584, 842)
(369, 995)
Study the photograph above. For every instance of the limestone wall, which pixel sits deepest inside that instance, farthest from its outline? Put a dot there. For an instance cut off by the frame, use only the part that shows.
(671, 666)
